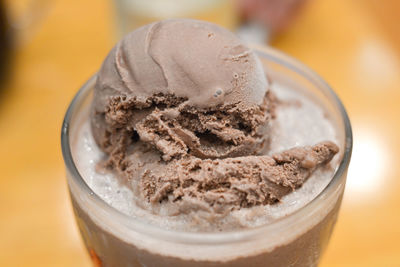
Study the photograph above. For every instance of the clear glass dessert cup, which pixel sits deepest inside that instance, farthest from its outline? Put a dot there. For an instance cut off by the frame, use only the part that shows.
(298, 239)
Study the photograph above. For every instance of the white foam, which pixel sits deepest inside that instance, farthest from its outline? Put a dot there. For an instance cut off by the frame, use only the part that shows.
(295, 125)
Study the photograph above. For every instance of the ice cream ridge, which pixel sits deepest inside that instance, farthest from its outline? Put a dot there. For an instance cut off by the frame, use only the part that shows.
(182, 110)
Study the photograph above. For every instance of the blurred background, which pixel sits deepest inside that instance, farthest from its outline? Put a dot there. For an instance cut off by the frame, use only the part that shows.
(49, 48)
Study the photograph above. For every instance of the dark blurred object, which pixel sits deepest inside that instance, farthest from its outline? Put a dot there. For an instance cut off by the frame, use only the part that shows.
(274, 15)
(5, 44)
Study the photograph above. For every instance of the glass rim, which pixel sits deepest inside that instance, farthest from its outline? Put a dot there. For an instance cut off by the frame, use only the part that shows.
(137, 225)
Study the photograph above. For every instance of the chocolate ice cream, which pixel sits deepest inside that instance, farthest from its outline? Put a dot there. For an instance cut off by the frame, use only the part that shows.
(182, 109)
(188, 155)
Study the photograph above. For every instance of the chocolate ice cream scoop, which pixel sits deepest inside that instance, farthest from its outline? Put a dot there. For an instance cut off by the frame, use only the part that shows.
(184, 86)
(225, 184)
(182, 110)
(195, 60)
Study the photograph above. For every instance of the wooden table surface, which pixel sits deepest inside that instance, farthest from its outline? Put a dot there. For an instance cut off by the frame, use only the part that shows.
(353, 44)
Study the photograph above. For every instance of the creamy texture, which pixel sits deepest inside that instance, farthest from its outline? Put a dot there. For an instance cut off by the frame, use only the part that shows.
(182, 85)
(195, 60)
(294, 105)
(184, 114)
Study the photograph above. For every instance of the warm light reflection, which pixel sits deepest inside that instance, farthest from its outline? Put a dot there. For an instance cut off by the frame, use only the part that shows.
(368, 164)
